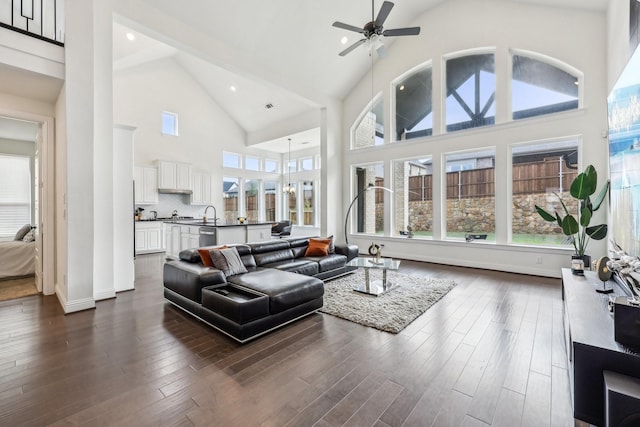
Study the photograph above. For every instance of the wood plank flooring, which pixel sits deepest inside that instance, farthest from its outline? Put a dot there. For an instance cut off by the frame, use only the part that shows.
(489, 353)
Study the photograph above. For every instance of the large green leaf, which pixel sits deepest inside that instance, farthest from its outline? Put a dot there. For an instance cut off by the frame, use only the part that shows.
(585, 216)
(584, 184)
(601, 196)
(544, 214)
(570, 225)
(597, 232)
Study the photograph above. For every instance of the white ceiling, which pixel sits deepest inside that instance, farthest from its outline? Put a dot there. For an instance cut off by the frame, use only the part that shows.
(291, 39)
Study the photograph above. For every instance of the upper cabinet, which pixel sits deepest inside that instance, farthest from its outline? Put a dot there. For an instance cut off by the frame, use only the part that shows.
(174, 176)
(202, 189)
(145, 185)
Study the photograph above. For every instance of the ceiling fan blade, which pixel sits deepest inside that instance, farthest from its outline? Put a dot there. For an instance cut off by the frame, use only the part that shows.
(384, 13)
(352, 47)
(344, 26)
(409, 31)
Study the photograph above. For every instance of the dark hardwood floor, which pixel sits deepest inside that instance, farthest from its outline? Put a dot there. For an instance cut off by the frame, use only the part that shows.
(491, 352)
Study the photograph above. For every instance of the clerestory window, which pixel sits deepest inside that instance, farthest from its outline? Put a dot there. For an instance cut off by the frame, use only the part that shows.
(414, 105)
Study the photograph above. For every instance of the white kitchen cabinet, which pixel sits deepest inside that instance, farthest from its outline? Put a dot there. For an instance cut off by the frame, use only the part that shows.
(146, 185)
(202, 189)
(149, 237)
(174, 176)
(172, 239)
(189, 237)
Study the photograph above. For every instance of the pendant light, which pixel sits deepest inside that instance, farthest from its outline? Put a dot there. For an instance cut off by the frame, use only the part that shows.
(289, 188)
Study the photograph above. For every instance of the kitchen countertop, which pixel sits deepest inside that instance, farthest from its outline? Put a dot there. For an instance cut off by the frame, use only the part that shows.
(200, 223)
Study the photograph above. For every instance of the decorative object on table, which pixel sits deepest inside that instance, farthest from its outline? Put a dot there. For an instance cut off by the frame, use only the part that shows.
(577, 225)
(241, 219)
(604, 274)
(627, 268)
(390, 312)
(346, 217)
(577, 265)
(376, 251)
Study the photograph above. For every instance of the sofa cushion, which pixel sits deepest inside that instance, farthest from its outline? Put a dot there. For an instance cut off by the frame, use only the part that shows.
(318, 247)
(299, 265)
(205, 255)
(285, 290)
(329, 262)
(240, 305)
(270, 257)
(228, 261)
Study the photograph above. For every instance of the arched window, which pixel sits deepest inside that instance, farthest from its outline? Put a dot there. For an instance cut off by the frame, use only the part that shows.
(370, 130)
(539, 88)
(471, 87)
(414, 105)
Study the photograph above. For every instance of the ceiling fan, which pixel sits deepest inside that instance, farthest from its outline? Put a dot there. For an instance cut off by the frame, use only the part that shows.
(373, 31)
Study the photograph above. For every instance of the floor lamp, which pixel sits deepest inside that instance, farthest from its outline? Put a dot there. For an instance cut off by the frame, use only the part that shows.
(346, 218)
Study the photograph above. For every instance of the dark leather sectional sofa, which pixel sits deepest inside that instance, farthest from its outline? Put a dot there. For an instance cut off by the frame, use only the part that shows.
(281, 285)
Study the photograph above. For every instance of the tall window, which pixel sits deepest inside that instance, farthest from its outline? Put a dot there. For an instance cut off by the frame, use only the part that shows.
(270, 188)
(539, 88)
(414, 105)
(169, 123)
(15, 194)
(367, 214)
(471, 86)
(308, 207)
(539, 171)
(370, 130)
(251, 195)
(230, 188)
(306, 164)
(291, 202)
(413, 197)
(470, 195)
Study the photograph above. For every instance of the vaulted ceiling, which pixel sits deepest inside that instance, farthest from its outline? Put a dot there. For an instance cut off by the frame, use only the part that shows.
(291, 39)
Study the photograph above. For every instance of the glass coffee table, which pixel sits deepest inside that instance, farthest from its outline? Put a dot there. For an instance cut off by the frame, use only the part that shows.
(376, 287)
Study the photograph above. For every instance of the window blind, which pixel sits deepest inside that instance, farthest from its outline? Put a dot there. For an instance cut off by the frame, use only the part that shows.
(15, 193)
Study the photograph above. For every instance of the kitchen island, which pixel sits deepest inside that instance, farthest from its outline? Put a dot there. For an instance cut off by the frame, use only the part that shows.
(187, 234)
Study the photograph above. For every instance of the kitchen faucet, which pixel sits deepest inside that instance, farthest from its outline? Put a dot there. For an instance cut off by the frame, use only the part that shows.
(215, 215)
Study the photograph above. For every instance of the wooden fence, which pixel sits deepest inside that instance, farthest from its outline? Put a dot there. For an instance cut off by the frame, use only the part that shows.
(527, 178)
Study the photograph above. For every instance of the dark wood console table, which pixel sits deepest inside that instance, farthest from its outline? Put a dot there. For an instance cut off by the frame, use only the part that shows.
(591, 347)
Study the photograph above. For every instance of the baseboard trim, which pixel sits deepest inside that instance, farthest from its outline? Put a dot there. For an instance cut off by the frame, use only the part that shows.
(74, 306)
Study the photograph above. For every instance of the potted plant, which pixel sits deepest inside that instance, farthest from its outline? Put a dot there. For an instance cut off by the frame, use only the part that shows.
(577, 225)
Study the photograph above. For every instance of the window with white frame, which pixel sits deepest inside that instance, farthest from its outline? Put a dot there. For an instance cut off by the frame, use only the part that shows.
(470, 195)
(471, 87)
(169, 123)
(271, 166)
(251, 163)
(270, 191)
(306, 164)
(15, 193)
(370, 130)
(230, 193)
(308, 200)
(414, 105)
(252, 199)
(539, 88)
(540, 170)
(413, 197)
(367, 214)
(231, 160)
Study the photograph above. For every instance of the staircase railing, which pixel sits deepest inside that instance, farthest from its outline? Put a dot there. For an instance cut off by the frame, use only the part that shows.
(42, 19)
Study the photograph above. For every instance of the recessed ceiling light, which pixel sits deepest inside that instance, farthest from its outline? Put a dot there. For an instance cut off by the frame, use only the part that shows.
(232, 88)
(344, 40)
(576, 83)
(131, 36)
(401, 87)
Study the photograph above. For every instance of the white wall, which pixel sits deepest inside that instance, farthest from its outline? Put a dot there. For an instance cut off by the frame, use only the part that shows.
(618, 51)
(460, 25)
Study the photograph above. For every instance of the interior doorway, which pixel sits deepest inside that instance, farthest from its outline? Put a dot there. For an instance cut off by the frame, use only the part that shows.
(25, 135)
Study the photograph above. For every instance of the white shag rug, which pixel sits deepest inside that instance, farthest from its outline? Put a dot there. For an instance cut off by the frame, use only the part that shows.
(389, 312)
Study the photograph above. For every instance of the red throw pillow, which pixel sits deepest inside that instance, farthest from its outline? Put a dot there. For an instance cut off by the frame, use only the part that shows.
(205, 256)
(318, 247)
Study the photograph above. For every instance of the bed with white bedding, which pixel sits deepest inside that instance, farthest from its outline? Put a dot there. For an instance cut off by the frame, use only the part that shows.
(17, 258)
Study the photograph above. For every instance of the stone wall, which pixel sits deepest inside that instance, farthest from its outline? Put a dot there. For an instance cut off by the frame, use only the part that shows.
(477, 215)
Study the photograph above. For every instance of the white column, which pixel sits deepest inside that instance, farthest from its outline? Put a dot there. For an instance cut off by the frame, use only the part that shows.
(123, 266)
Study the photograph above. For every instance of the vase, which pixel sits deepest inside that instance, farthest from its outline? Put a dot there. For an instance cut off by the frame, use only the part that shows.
(577, 265)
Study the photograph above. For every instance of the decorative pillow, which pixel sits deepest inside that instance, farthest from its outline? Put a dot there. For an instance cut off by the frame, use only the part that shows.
(228, 261)
(30, 236)
(318, 247)
(22, 232)
(332, 246)
(205, 256)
